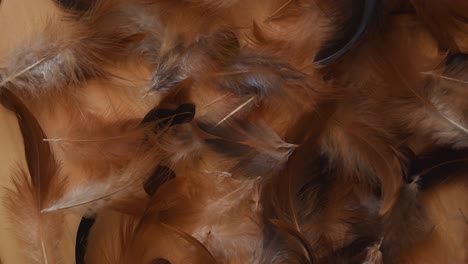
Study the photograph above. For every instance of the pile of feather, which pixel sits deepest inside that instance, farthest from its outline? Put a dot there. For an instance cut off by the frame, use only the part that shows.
(244, 131)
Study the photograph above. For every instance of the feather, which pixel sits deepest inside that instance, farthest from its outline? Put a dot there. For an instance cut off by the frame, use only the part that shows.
(283, 200)
(443, 93)
(42, 166)
(40, 233)
(159, 177)
(374, 255)
(109, 192)
(118, 238)
(446, 20)
(292, 231)
(213, 4)
(80, 5)
(436, 167)
(441, 166)
(67, 53)
(123, 178)
(231, 228)
(375, 153)
(445, 244)
(289, 30)
(82, 238)
(410, 214)
(351, 33)
(257, 150)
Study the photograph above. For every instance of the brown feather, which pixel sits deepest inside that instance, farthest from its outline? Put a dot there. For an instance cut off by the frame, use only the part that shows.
(39, 233)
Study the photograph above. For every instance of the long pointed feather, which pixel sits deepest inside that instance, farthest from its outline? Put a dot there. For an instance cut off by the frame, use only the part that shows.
(38, 232)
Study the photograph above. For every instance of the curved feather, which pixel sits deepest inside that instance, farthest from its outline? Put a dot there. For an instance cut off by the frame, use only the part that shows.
(335, 48)
(37, 232)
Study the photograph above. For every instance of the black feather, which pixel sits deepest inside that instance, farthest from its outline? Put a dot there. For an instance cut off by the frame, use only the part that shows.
(456, 59)
(75, 5)
(362, 17)
(438, 166)
(82, 239)
(353, 253)
(167, 117)
(161, 261)
(162, 175)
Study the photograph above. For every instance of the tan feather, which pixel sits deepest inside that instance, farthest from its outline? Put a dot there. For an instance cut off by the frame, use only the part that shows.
(39, 233)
